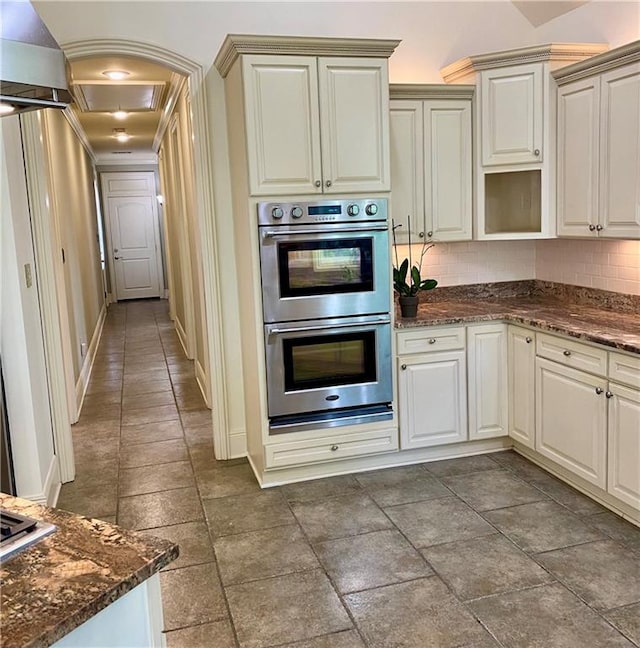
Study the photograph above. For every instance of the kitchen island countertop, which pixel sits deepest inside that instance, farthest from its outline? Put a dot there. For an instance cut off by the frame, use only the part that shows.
(54, 586)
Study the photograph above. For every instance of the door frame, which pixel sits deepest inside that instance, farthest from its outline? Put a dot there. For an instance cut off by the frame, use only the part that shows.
(107, 228)
(206, 216)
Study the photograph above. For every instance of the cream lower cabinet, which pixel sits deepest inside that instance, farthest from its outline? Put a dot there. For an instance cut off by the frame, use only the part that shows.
(487, 380)
(521, 384)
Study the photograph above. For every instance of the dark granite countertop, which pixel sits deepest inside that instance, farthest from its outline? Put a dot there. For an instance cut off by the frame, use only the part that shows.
(52, 587)
(613, 325)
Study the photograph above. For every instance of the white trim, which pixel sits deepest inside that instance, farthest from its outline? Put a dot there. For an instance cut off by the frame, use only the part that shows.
(201, 379)
(76, 126)
(85, 373)
(204, 207)
(55, 322)
(175, 89)
(51, 486)
(237, 444)
(182, 336)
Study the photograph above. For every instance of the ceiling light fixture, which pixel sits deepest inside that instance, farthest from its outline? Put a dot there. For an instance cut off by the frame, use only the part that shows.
(121, 135)
(116, 75)
(120, 114)
(6, 109)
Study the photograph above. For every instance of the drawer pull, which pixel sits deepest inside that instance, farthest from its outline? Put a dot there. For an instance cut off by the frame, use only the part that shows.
(403, 367)
(528, 340)
(432, 340)
(334, 448)
(566, 352)
(599, 390)
(608, 394)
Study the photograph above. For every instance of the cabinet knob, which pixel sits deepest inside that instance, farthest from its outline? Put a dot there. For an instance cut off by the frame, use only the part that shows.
(317, 183)
(403, 367)
(536, 152)
(608, 394)
(327, 183)
(528, 340)
(599, 227)
(599, 390)
(592, 228)
(429, 234)
(432, 340)
(334, 448)
(421, 235)
(566, 353)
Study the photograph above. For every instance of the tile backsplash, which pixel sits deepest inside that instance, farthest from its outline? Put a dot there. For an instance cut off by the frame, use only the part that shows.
(606, 265)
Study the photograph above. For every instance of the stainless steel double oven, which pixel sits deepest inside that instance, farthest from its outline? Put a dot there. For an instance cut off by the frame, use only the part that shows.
(326, 300)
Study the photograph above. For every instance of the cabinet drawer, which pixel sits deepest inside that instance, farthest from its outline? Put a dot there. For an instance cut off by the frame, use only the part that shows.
(624, 369)
(430, 339)
(572, 354)
(329, 448)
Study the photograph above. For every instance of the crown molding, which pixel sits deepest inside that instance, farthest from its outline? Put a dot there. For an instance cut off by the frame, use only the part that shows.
(75, 124)
(430, 91)
(176, 85)
(557, 52)
(629, 53)
(235, 45)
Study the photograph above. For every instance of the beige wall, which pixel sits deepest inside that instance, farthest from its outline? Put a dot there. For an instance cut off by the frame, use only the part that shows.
(72, 192)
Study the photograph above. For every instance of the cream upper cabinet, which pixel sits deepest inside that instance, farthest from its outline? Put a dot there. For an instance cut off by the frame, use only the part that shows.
(431, 162)
(598, 146)
(512, 113)
(521, 384)
(316, 125)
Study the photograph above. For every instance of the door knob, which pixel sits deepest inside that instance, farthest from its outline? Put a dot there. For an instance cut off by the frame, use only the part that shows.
(117, 258)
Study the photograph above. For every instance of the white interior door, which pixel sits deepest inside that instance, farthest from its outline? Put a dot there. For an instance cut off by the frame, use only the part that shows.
(133, 224)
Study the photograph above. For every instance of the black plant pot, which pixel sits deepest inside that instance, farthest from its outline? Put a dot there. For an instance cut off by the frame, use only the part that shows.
(408, 305)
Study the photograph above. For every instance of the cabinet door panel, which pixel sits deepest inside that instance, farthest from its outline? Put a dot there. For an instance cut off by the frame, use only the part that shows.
(447, 182)
(512, 115)
(283, 124)
(354, 96)
(624, 444)
(407, 162)
(578, 157)
(620, 153)
(571, 420)
(487, 388)
(433, 399)
(521, 362)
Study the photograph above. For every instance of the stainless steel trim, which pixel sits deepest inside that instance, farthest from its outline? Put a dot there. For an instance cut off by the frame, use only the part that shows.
(275, 330)
(291, 231)
(350, 417)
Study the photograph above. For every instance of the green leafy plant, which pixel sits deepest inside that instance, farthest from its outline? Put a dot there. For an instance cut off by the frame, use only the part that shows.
(407, 276)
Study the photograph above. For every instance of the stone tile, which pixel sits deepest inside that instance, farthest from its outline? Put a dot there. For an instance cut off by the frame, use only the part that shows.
(264, 510)
(131, 403)
(149, 454)
(147, 366)
(371, 560)
(206, 635)
(344, 639)
(603, 574)
(492, 489)
(95, 474)
(616, 528)
(105, 400)
(192, 403)
(418, 614)
(285, 609)
(541, 526)
(439, 520)
(461, 466)
(150, 432)
(321, 488)
(236, 480)
(262, 554)
(484, 566)
(339, 517)
(191, 596)
(151, 479)
(375, 479)
(96, 500)
(193, 540)
(627, 620)
(150, 415)
(192, 419)
(148, 386)
(198, 435)
(518, 465)
(567, 496)
(100, 412)
(104, 387)
(545, 616)
(417, 490)
(91, 429)
(203, 458)
(159, 509)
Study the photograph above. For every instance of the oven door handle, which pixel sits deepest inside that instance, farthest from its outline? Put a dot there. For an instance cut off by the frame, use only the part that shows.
(310, 329)
(308, 232)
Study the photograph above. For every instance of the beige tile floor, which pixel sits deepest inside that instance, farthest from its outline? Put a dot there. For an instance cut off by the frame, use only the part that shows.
(480, 551)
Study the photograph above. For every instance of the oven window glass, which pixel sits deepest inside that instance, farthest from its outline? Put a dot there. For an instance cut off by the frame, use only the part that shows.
(329, 360)
(324, 267)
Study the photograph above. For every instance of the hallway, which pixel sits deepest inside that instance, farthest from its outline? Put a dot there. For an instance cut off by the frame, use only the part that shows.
(478, 551)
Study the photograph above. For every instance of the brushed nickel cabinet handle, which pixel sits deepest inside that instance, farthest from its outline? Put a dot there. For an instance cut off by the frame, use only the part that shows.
(432, 340)
(599, 390)
(566, 353)
(403, 367)
(528, 340)
(608, 394)
(317, 183)
(334, 448)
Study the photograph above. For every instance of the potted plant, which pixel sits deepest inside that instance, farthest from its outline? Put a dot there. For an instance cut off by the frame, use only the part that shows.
(407, 276)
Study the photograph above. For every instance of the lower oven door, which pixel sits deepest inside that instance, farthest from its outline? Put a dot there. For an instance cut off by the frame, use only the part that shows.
(327, 365)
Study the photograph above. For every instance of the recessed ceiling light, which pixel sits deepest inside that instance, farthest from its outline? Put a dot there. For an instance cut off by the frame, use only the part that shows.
(120, 114)
(116, 75)
(121, 135)
(6, 109)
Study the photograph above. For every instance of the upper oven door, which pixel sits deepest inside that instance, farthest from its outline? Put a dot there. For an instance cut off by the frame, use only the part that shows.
(324, 271)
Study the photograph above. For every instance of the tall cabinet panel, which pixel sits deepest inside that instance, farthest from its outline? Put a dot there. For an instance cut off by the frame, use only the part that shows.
(521, 367)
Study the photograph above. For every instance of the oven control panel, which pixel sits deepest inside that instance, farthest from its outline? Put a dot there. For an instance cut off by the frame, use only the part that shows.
(363, 210)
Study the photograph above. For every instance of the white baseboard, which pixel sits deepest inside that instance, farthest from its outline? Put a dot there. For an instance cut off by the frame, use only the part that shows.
(109, 299)
(50, 488)
(182, 335)
(237, 444)
(85, 373)
(203, 383)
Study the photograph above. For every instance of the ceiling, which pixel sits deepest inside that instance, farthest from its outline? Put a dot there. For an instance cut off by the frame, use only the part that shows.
(539, 12)
(147, 94)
